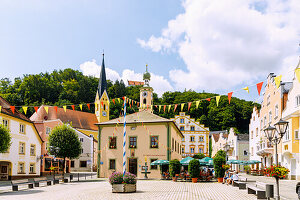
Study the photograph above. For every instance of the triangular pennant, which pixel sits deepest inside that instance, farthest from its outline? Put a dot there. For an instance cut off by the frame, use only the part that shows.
(169, 107)
(182, 105)
(0, 108)
(65, 108)
(208, 99)
(73, 107)
(80, 106)
(130, 105)
(13, 109)
(36, 108)
(189, 105)
(119, 100)
(197, 104)
(175, 106)
(138, 103)
(159, 107)
(259, 85)
(46, 109)
(278, 80)
(297, 72)
(246, 89)
(55, 108)
(229, 96)
(123, 98)
(155, 106)
(218, 99)
(25, 109)
(89, 106)
(151, 107)
(165, 108)
(114, 101)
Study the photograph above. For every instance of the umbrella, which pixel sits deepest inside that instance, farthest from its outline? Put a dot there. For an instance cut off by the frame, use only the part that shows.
(235, 161)
(207, 159)
(250, 162)
(186, 160)
(160, 162)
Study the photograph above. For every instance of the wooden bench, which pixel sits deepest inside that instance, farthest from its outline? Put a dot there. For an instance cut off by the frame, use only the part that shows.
(58, 178)
(241, 183)
(37, 181)
(15, 184)
(259, 189)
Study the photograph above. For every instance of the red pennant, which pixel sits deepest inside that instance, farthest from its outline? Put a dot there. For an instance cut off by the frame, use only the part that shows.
(189, 105)
(73, 107)
(130, 105)
(165, 108)
(138, 103)
(127, 100)
(114, 101)
(89, 106)
(123, 98)
(155, 106)
(229, 96)
(13, 109)
(208, 99)
(175, 107)
(259, 85)
(55, 108)
(36, 108)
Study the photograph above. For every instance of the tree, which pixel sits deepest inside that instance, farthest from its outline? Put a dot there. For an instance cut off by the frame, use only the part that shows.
(194, 168)
(174, 167)
(68, 142)
(199, 156)
(210, 147)
(219, 161)
(5, 139)
(221, 153)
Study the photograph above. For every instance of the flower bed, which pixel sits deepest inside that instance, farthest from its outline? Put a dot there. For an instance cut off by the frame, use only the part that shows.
(123, 184)
(276, 171)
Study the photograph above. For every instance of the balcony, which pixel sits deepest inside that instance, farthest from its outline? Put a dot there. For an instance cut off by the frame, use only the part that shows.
(264, 148)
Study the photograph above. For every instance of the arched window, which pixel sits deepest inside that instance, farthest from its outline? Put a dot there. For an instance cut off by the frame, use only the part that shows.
(144, 102)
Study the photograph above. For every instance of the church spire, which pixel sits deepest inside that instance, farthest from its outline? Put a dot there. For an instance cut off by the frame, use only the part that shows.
(102, 86)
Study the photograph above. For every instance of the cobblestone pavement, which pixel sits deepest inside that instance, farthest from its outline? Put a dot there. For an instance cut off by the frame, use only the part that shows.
(146, 189)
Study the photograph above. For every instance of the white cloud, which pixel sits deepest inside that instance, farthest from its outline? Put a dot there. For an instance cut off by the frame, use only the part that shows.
(227, 43)
(159, 83)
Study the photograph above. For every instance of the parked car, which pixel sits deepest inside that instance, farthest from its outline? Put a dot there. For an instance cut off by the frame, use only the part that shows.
(298, 189)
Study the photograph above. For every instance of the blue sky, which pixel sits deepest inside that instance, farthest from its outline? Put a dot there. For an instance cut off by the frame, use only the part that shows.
(201, 45)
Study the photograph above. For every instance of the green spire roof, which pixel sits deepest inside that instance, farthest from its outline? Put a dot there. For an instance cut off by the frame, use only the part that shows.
(102, 86)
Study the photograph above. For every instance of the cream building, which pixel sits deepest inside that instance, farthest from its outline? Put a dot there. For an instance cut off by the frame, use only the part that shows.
(219, 139)
(254, 131)
(23, 158)
(196, 136)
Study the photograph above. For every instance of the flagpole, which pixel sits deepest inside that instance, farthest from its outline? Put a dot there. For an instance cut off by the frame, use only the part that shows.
(124, 139)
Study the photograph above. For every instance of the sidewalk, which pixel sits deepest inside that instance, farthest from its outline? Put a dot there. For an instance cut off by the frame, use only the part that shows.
(287, 187)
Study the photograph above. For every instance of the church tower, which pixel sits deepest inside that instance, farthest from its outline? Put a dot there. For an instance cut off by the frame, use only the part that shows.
(102, 100)
(146, 93)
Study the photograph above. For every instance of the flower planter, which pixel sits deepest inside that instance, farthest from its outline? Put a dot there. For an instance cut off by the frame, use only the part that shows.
(220, 180)
(123, 188)
(194, 180)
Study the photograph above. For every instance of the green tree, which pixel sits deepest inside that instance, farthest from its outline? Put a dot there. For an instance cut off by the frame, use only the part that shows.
(194, 168)
(5, 139)
(67, 140)
(221, 153)
(199, 156)
(210, 147)
(174, 167)
(219, 161)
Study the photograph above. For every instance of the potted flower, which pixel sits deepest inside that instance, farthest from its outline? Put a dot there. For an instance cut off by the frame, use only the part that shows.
(219, 161)
(174, 169)
(277, 171)
(123, 184)
(194, 170)
(226, 167)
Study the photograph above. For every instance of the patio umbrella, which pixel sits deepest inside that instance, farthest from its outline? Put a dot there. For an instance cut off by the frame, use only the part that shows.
(235, 162)
(160, 162)
(207, 159)
(186, 160)
(250, 162)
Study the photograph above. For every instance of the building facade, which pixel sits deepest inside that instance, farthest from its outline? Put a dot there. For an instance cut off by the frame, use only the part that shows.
(219, 139)
(254, 138)
(196, 135)
(23, 158)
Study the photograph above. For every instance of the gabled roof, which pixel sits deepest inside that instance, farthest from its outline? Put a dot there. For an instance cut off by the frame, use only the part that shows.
(82, 120)
(102, 86)
(6, 110)
(216, 137)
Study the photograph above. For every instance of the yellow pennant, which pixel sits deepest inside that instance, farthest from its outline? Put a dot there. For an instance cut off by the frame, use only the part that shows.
(119, 100)
(151, 107)
(0, 108)
(169, 107)
(246, 89)
(197, 104)
(218, 99)
(65, 108)
(80, 106)
(47, 109)
(25, 109)
(278, 80)
(159, 107)
(182, 105)
(297, 72)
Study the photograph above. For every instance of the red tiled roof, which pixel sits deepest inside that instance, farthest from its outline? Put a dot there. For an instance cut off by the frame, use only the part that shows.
(216, 137)
(6, 110)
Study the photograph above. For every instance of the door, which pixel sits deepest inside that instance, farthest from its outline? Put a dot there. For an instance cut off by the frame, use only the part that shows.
(4, 172)
(132, 165)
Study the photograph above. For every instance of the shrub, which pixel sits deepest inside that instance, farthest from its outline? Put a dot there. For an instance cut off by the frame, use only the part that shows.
(221, 153)
(129, 178)
(194, 168)
(219, 161)
(117, 178)
(199, 156)
(174, 167)
(247, 168)
(5, 139)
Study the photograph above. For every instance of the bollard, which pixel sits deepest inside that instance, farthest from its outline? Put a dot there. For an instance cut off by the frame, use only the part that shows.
(269, 191)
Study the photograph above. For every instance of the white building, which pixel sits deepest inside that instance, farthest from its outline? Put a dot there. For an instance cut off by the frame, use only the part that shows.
(22, 160)
(254, 138)
(219, 139)
(196, 136)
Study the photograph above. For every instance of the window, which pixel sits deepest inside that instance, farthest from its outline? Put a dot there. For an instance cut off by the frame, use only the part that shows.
(245, 153)
(256, 132)
(192, 139)
(172, 144)
(5, 123)
(268, 100)
(297, 100)
(286, 147)
(192, 150)
(81, 150)
(201, 139)
(265, 120)
(261, 124)
(182, 150)
(286, 135)
(112, 164)
(132, 142)
(296, 134)
(181, 121)
(270, 117)
(32, 150)
(22, 148)
(154, 142)
(112, 142)
(22, 128)
(153, 166)
(72, 163)
(32, 168)
(181, 128)
(276, 110)
(251, 151)
(48, 162)
(201, 150)
(21, 168)
(192, 128)
(251, 134)
(83, 163)
(48, 130)
(81, 139)
(175, 145)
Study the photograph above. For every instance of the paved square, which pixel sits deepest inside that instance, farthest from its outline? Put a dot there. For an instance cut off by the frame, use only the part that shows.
(146, 189)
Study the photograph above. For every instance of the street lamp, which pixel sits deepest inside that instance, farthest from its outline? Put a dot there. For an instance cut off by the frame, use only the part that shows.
(54, 151)
(274, 135)
(226, 149)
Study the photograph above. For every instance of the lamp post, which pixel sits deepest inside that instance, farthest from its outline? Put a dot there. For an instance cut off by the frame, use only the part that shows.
(226, 149)
(54, 151)
(274, 135)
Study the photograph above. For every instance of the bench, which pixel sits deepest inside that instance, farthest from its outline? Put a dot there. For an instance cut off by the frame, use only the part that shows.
(259, 189)
(58, 178)
(37, 181)
(15, 184)
(241, 183)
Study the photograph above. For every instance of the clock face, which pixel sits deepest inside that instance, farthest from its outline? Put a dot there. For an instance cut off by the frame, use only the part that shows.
(103, 113)
(145, 94)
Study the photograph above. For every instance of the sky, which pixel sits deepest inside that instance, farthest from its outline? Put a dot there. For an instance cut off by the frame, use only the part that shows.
(202, 45)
